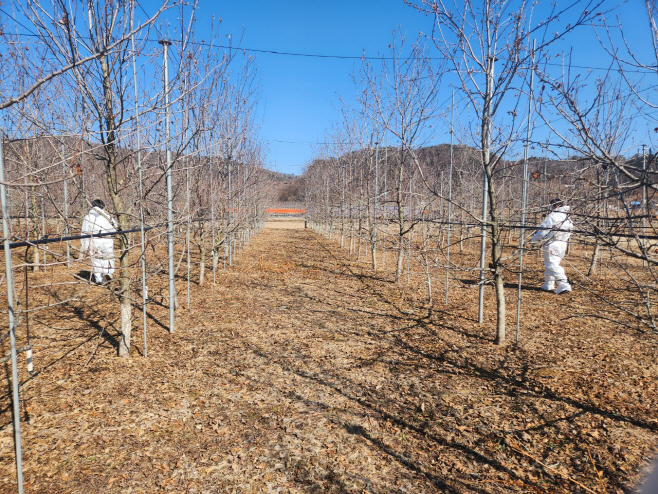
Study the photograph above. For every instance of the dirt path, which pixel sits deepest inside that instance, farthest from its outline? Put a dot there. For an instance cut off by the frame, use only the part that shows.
(300, 372)
(304, 351)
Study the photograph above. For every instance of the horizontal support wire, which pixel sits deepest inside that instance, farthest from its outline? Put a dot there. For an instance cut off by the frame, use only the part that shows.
(75, 237)
(436, 222)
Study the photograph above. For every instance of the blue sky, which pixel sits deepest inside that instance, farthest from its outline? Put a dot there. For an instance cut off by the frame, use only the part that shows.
(300, 95)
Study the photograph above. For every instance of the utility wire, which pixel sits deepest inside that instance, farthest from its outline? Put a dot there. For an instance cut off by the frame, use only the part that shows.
(309, 55)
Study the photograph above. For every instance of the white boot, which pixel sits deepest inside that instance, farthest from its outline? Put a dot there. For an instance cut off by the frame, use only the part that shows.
(563, 287)
(548, 286)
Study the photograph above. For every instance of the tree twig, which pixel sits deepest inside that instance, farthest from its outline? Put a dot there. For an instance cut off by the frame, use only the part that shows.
(548, 467)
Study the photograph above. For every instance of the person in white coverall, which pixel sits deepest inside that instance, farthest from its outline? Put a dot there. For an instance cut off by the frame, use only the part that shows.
(101, 250)
(554, 233)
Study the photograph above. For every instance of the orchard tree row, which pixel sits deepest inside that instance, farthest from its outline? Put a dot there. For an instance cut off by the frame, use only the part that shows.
(101, 100)
(467, 133)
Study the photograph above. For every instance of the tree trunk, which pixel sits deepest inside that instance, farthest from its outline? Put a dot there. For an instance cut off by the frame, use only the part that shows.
(499, 283)
(124, 299)
(108, 124)
(215, 258)
(202, 261)
(373, 253)
(351, 237)
(496, 256)
(400, 259)
(494, 214)
(595, 254)
(428, 276)
(358, 248)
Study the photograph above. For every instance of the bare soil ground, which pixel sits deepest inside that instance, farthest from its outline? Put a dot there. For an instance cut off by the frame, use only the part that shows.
(301, 371)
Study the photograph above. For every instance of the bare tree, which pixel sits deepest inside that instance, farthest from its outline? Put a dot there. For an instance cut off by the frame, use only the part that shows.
(487, 45)
(404, 94)
(600, 126)
(54, 25)
(90, 43)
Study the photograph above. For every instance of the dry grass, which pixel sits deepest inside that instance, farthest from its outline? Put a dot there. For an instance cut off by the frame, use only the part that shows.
(285, 223)
(303, 371)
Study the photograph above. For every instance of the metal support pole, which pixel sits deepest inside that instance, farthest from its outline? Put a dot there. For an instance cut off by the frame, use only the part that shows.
(374, 213)
(27, 206)
(385, 202)
(410, 222)
(141, 189)
(187, 241)
(229, 233)
(483, 245)
(342, 203)
(645, 211)
(452, 140)
(187, 203)
(212, 225)
(644, 185)
(83, 196)
(66, 208)
(545, 182)
(43, 211)
(524, 195)
(12, 327)
(44, 223)
(170, 194)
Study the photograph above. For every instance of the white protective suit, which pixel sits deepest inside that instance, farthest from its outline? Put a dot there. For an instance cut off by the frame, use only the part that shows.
(554, 233)
(101, 250)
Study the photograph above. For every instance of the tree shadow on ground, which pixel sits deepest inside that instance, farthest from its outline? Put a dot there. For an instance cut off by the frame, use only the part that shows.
(510, 376)
(430, 323)
(447, 483)
(85, 314)
(489, 282)
(521, 383)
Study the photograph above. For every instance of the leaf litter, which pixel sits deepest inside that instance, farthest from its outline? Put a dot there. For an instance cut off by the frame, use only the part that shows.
(302, 371)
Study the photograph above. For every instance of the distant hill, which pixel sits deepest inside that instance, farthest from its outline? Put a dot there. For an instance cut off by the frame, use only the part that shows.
(435, 160)
(286, 187)
(278, 177)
